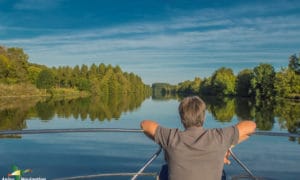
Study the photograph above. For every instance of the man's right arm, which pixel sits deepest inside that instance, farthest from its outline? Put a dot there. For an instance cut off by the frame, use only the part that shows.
(246, 128)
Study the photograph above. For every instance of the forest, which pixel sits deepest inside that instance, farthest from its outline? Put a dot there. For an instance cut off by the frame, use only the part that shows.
(17, 74)
(262, 82)
(20, 76)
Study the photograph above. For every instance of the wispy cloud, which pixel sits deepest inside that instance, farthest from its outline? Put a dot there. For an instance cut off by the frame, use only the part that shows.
(186, 43)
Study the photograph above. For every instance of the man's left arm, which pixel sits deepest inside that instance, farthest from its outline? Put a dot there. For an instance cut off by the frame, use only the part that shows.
(149, 128)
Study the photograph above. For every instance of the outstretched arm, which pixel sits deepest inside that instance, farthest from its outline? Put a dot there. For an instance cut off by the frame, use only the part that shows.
(149, 128)
(245, 128)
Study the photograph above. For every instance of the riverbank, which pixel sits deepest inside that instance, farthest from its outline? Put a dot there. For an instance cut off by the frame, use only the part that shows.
(25, 90)
(20, 90)
(67, 93)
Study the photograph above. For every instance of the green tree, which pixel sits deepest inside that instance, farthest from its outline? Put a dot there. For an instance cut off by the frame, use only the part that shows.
(69, 82)
(117, 69)
(19, 64)
(243, 83)
(162, 89)
(45, 79)
(189, 87)
(113, 84)
(84, 71)
(123, 83)
(98, 79)
(33, 73)
(75, 76)
(294, 64)
(206, 86)
(4, 67)
(287, 83)
(101, 70)
(262, 82)
(223, 82)
(83, 84)
(92, 73)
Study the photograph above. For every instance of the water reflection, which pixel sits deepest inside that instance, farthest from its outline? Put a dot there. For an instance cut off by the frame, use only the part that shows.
(263, 112)
(288, 114)
(244, 108)
(222, 109)
(14, 112)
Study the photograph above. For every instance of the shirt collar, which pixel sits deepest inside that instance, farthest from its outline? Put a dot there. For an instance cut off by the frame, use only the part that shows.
(194, 128)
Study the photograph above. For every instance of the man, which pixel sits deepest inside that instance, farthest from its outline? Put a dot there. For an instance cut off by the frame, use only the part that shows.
(196, 153)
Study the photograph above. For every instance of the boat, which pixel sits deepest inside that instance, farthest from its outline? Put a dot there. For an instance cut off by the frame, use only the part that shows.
(140, 173)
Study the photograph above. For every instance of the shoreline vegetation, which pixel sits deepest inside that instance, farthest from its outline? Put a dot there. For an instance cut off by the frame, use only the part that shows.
(20, 90)
(261, 82)
(25, 90)
(20, 78)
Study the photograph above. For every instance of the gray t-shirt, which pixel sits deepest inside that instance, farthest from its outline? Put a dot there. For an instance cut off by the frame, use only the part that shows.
(196, 153)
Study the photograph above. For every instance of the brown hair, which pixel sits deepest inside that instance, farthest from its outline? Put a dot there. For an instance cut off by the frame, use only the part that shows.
(192, 111)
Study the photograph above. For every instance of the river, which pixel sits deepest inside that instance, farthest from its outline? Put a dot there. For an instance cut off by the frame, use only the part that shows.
(51, 156)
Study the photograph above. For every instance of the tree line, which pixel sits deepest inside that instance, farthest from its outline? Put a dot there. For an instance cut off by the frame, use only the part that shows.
(262, 82)
(97, 79)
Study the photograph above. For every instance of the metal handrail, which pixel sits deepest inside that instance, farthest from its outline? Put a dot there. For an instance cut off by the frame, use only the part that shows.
(242, 164)
(74, 130)
(153, 157)
(106, 175)
(79, 130)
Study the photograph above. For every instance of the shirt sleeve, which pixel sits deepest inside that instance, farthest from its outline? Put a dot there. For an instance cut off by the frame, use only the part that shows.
(163, 136)
(231, 134)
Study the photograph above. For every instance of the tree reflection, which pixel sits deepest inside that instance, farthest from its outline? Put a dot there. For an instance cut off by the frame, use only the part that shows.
(288, 113)
(13, 113)
(95, 108)
(264, 114)
(12, 119)
(222, 109)
(245, 108)
(45, 110)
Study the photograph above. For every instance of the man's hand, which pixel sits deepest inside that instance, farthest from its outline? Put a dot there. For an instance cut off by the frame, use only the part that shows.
(149, 128)
(226, 157)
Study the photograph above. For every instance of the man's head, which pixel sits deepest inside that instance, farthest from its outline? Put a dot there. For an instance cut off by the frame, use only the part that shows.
(192, 111)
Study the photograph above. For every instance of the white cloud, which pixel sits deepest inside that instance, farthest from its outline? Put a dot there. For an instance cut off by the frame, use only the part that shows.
(155, 36)
(214, 36)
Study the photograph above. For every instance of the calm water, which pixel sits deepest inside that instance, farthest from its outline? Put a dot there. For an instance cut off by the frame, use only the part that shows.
(62, 155)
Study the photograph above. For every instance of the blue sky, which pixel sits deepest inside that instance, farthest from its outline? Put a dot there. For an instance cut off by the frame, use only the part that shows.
(160, 40)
